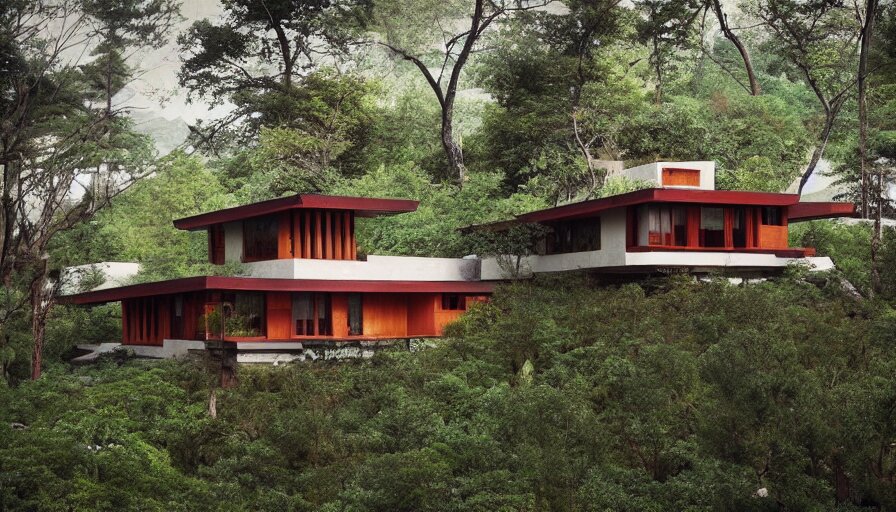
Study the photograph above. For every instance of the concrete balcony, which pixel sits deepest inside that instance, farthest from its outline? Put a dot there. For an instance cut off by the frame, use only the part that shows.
(376, 268)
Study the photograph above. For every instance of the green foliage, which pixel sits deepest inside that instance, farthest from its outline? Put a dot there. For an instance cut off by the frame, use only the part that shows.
(559, 394)
(139, 227)
(444, 208)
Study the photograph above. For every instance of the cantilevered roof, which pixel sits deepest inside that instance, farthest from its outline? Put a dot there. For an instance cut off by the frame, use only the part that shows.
(826, 210)
(362, 206)
(797, 211)
(201, 283)
(659, 195)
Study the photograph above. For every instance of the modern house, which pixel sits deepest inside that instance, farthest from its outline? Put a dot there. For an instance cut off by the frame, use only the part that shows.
(305, 282)
(678, 222)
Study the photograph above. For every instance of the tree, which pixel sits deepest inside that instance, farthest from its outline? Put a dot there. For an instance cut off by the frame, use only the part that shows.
(456, 47)
(255, 55)
(819, 38)
(63, 160)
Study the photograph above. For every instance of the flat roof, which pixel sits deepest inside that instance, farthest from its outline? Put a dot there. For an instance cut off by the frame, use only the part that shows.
(797, 211)
(362, 206)
(222, 283)
(659, 195)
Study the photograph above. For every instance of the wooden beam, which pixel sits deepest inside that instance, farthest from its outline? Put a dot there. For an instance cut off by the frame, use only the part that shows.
(337, 236)
(284, 236)
(328, 235)
(352, 236)
(297, 234)
(347, 235)
(306, 235)
(318, 236)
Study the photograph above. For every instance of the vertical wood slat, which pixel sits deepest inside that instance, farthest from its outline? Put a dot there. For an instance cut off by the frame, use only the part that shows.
(124, 321)
(306, 235)
(318, 237)
(153, 319)
(297, 233)
(347, 235)
(284, 235)
(728, 227)
(337, 236)
(328, 235)
(748, 227)
(354, 252)
(693, 226)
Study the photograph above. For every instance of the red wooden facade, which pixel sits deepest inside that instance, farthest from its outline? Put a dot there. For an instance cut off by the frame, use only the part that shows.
(197, 316)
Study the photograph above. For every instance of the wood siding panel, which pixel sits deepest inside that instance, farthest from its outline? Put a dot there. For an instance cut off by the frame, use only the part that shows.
(318, 237)
(347, 235)
(279, 315)
(306, 235)
(339, 309)
(421, 313)
(337, 235)
(385, 315)
(773, 237)
(681, 177)
(284, 236)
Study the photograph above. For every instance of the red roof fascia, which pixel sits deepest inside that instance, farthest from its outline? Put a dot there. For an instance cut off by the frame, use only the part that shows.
(362, 206)
(820, 210)
(192, 284)
(659, 195)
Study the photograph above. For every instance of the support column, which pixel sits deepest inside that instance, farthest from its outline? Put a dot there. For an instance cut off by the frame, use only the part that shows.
(337, 236)
(306, 235)
(347, 235)
(318, 237)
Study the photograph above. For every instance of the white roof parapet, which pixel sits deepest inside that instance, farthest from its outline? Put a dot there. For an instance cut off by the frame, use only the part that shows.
(653, 173)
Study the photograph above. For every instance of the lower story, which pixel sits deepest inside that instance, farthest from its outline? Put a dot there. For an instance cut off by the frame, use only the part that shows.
(254, 316)
(252, 311)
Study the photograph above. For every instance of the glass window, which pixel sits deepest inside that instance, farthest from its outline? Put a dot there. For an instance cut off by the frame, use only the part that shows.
(575, 236)
(312, 314)
(712, 227)
(244, 314)
(662, 225)
(453, 301)
(355, 315)
(303, 314)
(260, 239)
(772, 216)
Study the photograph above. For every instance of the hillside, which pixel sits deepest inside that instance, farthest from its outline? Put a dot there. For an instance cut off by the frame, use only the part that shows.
(560, 394)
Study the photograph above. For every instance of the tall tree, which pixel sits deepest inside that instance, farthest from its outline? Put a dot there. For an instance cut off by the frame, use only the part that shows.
(55, 149)
(254, 55)
(820, 39)
(402, 27)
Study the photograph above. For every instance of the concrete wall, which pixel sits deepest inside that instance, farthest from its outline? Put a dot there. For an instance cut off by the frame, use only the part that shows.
(653, 173)
(376, 268)
(115, 273)
(611, 253)
(233, 241)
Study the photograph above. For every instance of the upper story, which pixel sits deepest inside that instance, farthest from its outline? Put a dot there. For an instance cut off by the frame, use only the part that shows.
(311, 236)
(680, 221)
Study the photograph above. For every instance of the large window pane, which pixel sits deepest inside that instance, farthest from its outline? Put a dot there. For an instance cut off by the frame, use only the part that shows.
(355, 315)
(260, 239)
(712, 227)
(662, 225)
(312, 314)
(303, 314)
(575, 236)
(244, 315)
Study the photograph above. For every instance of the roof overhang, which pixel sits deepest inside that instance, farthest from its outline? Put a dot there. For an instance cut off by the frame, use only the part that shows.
(659, 195)
(362, 206)
(202, 283)
(812, 211)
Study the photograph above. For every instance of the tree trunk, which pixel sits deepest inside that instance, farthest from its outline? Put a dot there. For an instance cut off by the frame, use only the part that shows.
(755, 90)
(867, 31)
(830, 116)
(40, 305)
(452, 149)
